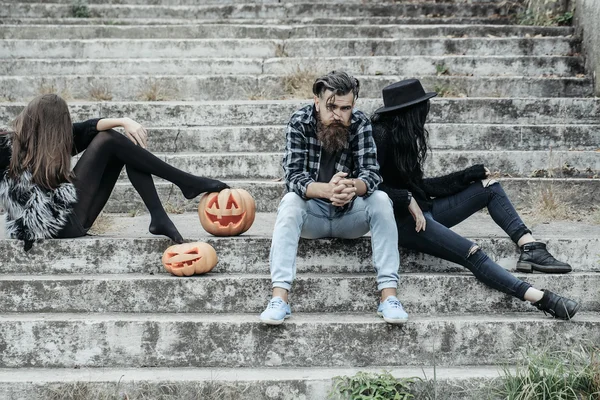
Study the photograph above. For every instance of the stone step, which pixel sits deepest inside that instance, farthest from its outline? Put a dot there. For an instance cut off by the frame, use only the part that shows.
(305, 340)
(525, 192)
(537, 66)
(538, 111)
(336, 20)
(223, 31)
(271, 138)
(231, 383)
(424, 294)
(581, 164)
(247, 2)
(250, 11)
(110, 253)
(210, 87)
(267, 48)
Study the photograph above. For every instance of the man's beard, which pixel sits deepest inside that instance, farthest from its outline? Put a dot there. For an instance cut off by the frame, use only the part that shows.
(333, 137)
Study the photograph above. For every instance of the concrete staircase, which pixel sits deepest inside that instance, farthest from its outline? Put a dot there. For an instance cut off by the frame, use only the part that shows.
(98, 315)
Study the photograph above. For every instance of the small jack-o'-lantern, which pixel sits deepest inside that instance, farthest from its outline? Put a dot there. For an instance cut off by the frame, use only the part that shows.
(190, 258)
(227, 213)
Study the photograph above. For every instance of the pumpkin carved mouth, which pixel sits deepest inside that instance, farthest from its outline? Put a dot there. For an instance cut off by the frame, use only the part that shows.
(231, 215)
(180, 260)
(189, 258)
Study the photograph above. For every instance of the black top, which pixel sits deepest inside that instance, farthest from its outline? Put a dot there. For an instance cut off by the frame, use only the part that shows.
(423, 191)
(83, 133)
(327, 165)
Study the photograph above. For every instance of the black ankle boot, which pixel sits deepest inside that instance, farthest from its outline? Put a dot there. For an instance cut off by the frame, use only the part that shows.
(557, 306)
(535, 257)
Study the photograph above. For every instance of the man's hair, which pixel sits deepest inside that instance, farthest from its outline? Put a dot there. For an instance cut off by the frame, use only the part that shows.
(339, 82)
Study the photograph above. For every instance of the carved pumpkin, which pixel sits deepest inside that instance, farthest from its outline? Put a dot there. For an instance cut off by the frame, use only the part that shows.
(227, 213)
(190, 258)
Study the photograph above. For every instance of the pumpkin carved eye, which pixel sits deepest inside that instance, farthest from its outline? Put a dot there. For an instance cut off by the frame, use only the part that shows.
(189, 259)
(229, 212)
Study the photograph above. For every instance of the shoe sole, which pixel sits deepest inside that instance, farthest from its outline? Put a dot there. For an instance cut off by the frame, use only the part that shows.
(530, 267)
(573, 313)
(392, 321)
(274, 321)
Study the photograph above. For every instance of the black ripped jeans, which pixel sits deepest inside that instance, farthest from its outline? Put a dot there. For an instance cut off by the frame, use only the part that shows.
(439, 241)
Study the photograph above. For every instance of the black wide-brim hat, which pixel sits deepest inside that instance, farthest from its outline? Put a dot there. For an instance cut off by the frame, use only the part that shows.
(403, 94)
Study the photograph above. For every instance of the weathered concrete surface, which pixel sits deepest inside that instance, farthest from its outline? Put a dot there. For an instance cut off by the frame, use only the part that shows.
(210, 87)
(536, 66)
(523, 192)
(315, 340)
(266, 48)
(321, 293)
(271, 138)
(576, 111)
(586, 19)
(513, 163)
(324, 10)
(271, 31)
(110, 253)
(208, 2)
(338, 20)
(461, 383)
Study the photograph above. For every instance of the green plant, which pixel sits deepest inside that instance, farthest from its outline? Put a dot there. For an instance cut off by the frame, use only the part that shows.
(563, 19)
(545, 13)
(80, 9)
(208, 390)
(366, 386)
(442, 69)
(572, 374)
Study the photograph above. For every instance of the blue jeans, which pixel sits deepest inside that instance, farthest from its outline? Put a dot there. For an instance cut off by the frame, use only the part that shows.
(315, 218)
(439, 241)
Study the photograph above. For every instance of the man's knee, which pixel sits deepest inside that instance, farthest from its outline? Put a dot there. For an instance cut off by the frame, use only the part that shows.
(379, 202)
(292, 202)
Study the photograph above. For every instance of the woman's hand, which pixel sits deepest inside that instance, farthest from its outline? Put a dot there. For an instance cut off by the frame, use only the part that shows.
(135, 132)
(417, 214)
(487, 182)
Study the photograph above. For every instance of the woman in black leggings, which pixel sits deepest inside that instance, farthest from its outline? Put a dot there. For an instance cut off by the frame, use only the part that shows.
(44, 198)
(425, 209)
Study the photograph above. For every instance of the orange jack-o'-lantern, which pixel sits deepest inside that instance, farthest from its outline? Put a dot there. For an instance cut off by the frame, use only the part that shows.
(227, 213)
(190, 258)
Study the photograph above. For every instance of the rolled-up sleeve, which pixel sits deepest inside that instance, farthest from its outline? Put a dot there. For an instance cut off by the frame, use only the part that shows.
(295, 160)
(365, 156)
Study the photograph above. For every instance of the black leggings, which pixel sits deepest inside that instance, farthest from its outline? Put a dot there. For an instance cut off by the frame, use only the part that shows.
(98, 169)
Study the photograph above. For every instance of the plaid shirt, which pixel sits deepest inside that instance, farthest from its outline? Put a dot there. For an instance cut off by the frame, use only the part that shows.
(302, 157)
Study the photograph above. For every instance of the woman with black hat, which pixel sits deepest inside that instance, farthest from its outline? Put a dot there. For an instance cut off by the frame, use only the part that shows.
(425, 209)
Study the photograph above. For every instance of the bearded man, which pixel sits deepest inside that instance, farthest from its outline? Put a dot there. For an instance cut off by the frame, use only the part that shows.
(332, 174)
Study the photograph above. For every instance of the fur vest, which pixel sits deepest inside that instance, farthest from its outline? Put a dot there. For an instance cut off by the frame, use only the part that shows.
(33, 212)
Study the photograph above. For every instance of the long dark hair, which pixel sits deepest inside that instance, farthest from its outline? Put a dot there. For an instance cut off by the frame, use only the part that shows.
(410, 139)
(42, 142)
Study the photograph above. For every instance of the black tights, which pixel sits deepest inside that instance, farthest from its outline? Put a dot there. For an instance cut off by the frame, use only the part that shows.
(98, 169)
